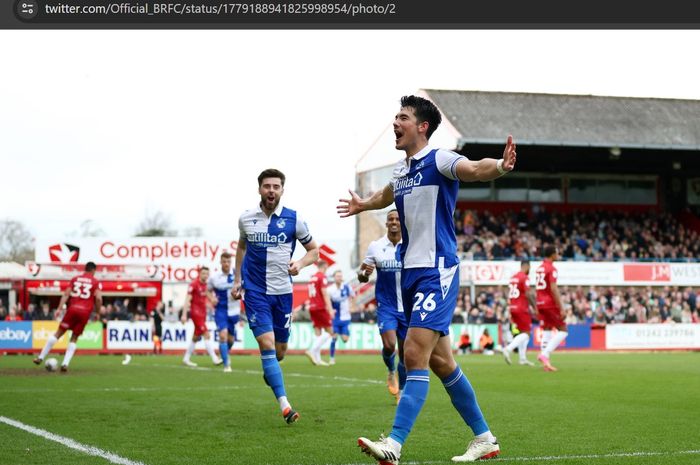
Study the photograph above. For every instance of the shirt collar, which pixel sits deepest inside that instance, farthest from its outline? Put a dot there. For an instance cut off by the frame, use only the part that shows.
(278, 210)
(421, 154)
(388, 241)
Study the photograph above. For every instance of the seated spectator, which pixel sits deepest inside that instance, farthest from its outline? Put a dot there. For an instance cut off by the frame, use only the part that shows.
(12, 314)
(486, 343)
(465, 343)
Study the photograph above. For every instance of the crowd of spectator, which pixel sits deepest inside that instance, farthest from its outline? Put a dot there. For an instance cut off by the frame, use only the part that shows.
(592, 235)
(592, 305)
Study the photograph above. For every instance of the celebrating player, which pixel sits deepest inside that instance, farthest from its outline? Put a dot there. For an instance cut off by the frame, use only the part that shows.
(424, 187)
(196, 304)
(549, 307)
(343, 302)
(83, 294)
(521, 298)
(383, 254)
(320, 311)
(227, 311)
(263, 274)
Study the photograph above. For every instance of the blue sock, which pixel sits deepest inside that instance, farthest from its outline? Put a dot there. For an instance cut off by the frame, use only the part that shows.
(402, 375)
(389, 360)
(464, 399)
(273, 372)
(412, 400)
(223, 349)
(333, 347)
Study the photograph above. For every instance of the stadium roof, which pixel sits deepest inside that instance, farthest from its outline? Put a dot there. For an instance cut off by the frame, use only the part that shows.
(570, 120)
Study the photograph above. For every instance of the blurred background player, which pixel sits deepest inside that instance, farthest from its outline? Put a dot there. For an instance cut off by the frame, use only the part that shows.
(343, 301)
(383, 254)
(263, 276)
(196, 304)
(521, 299)
(83, 294)
(227, 311)
(156, 318)
(549, 307)
(320, 311)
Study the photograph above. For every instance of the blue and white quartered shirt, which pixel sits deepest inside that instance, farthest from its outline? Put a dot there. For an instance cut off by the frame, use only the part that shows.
(270, 245)
(222, 283)
(384, 256)
(425, 192)
(340, 300)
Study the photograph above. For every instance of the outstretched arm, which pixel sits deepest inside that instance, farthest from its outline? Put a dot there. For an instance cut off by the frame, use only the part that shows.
(488, 168)
(355, 204)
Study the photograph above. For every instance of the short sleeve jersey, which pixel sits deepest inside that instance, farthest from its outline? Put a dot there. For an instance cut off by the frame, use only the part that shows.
(545, 275)
(222, 283)
(385, 257)
(82, 295)
(425, 192)
(270, 245)
(317, 283)
(198, 291)
(340, 300)
(517, 292)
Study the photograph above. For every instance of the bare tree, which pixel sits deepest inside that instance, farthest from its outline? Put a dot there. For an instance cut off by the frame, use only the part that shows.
(16, 242)
(88, 228)
(193, 231)
(155, 224)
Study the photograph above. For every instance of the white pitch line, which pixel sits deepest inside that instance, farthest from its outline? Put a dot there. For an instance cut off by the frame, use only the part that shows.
(290, 375)
(554, 458)
(175, 389)
(68, 442)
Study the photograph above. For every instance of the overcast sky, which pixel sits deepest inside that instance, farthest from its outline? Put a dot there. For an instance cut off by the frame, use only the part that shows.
(110, 126)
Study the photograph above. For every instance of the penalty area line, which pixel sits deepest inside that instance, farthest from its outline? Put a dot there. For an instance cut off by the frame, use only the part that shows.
(70, 443)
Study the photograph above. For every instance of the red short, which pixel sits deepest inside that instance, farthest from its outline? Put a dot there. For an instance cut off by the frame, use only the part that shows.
(550, 317)
(320, 318)
(200, 324)
(522, 321)
(75, 321)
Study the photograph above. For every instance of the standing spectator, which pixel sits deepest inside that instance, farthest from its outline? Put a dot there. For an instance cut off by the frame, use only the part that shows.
(12, 315)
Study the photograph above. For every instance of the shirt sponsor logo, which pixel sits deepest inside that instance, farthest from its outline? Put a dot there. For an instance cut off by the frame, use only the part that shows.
(405, 184)
(265, 239)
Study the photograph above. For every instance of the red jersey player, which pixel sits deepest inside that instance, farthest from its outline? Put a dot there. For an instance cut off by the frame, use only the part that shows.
(549, 307)
(198, 295)
(520, 299)
(320, 311)
(83, 294)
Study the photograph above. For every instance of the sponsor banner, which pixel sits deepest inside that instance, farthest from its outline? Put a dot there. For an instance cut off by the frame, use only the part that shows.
(652, 336)
(91, 337)
(178, 258)
(15, 335)
(579, 337)
(43, 330)
(137, 335)
(587, 273)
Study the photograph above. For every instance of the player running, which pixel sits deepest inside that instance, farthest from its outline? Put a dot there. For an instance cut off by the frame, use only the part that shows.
(196, 304)
(383, 255)
(321, 313)
(521, 299)
(227, 310)
(549, 307)
(343, 301)
(83, 294)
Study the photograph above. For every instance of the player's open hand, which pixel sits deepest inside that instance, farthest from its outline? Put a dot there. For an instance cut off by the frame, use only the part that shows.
(509, 154)
(349, 207)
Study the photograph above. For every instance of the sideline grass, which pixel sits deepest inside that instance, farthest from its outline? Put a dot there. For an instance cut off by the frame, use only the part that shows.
(158, 412)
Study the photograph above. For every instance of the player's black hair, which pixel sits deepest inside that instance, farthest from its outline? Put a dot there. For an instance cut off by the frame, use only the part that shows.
(90, 266)
(549, 251)
(391, 211)
(204, 268)
(321, 263)
(225, 255)
(524, 262)
(425, 110)
(271, 173)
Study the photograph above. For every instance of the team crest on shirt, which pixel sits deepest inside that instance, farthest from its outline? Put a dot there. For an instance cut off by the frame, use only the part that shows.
(281, 223)
(420, 165)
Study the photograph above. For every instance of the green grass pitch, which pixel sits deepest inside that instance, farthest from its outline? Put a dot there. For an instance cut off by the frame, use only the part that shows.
(619, 408)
